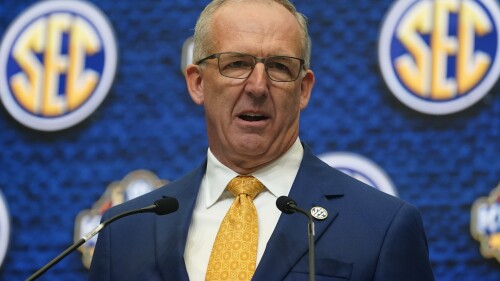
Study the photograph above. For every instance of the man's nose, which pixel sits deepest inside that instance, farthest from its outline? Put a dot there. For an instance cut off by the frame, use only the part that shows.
(258, 79)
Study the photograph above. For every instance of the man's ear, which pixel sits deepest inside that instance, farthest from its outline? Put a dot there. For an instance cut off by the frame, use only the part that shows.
(306, 88)
(194, 83)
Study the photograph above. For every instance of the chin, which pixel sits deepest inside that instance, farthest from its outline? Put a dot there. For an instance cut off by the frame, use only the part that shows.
(252, 148)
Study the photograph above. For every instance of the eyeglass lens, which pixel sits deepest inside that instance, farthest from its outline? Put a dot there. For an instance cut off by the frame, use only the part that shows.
(240, 66)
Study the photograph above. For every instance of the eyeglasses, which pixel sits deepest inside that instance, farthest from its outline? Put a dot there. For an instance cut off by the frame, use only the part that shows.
(240, 66)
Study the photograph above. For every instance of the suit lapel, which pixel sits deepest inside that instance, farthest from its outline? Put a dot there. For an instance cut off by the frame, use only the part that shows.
(172, 231)
(289, 241)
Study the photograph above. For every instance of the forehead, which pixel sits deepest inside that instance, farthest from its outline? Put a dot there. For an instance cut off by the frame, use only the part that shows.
(260, 28)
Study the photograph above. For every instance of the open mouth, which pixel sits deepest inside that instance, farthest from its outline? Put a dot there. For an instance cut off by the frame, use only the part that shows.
(253, 117)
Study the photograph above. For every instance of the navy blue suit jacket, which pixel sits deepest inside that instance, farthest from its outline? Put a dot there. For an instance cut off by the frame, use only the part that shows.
(368, 235)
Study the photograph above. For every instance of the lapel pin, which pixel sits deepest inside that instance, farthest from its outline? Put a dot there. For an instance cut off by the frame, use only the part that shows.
(319, 213)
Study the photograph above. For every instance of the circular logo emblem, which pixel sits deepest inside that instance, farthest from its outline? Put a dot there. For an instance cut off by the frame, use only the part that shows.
(440, 57)
(319, 213)
(4, 228)
(57, 63)
(187, 53)
(360, 168)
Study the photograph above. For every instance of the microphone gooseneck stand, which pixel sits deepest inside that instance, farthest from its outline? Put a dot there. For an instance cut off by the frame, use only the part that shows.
(288, 206)
(160, 207)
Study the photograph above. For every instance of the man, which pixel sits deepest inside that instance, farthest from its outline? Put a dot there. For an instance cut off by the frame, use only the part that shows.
(253, 79)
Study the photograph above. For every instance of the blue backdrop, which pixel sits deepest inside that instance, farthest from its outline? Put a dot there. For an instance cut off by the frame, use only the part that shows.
(441, 164)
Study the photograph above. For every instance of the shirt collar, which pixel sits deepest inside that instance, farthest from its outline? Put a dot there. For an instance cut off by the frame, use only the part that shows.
(277, 176)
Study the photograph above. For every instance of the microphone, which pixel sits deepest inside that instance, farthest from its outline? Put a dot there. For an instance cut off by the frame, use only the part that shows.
(160, 207)
(288, 206)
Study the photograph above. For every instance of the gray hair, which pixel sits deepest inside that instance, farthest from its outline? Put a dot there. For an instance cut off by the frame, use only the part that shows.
(203, 44)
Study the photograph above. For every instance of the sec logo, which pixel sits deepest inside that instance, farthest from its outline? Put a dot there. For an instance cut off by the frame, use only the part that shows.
(57, 63)
(440, 57)
(4, 228)
(362, 169)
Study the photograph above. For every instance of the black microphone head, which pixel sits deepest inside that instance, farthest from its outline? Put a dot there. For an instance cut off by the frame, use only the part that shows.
(285, 203)
(166, 205)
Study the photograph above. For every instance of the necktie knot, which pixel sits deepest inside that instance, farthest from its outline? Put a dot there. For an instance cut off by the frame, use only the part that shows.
(245, 185)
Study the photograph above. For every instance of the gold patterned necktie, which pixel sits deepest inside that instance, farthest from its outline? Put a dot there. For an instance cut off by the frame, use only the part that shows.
(234, 252)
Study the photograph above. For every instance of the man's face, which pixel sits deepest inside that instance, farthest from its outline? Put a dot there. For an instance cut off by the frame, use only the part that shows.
(251, 122)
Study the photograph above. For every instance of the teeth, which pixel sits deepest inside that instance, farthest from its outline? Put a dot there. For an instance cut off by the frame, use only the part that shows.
(252, 117)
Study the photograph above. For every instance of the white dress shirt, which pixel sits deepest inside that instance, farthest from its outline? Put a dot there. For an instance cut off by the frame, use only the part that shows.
(214, 200)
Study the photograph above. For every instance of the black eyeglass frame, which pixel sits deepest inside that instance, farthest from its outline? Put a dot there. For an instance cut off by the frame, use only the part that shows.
(257, 60)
